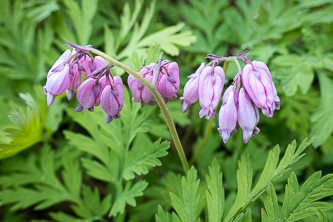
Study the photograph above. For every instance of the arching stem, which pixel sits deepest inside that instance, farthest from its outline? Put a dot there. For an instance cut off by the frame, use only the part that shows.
(159, 100)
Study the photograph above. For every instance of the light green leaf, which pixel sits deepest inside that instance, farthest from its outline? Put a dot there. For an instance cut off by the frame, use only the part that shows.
(299, 203)
(127, 196)
(271, 205)
(162, 216)
(321, 216)
(40, 10)
(47, 189)
(293, 71)
(168, 38)
(93, 207)
(28, 126)
(153, 53)
(82, 17)
(323, 118)
(186, 205)
(143, 156)
(271, 172)
(215, 193)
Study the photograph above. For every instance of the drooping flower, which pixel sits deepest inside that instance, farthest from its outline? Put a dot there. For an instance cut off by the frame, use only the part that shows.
(90, 65)
(75, 79)
(58, 79)
(228, 114)
(112, 99)
(248, 115)
(168, 81)
(258, 84)
(139, 91)
(89, 92)
(211, 83)
(191, 94)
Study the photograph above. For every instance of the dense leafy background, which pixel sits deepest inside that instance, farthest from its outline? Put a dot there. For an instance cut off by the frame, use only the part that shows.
(57, 165)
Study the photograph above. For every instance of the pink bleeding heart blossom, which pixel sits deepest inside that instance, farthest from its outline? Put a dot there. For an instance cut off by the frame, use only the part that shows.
(89, 92)
(75, 79)
(228, 114)
(191, 94)
(248, 115)
(258, 84)
(58, 79)
(112, 99)
(90, 66)
(211, 83)
(139, 91)
(168, 81)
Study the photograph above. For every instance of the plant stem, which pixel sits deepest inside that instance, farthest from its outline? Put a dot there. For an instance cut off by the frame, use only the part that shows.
(159, 100)
(210, 123)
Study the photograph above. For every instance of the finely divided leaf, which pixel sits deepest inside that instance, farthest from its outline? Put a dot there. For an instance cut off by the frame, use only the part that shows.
(127, 196)
(299, 202)
(323, 118)
(162, 216)
(271, 172)
(186, 205)
(294, 71)
(244, 181)
(143, 156)
(215, 193)
(170, 38)
(29, 126)
(47, 189)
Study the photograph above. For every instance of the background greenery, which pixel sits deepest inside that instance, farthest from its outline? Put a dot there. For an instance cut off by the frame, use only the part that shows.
(58, 165)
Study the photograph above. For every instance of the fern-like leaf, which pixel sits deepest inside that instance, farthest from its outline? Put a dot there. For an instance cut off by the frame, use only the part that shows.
(215, 193)
(186, 205)
(272, 171)
(299, 202)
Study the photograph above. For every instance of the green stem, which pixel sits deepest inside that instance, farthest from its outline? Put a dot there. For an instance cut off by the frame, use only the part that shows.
(238, 65)
(159, 100)
(210, 123)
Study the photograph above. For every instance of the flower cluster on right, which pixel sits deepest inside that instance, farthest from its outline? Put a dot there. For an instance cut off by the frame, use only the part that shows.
(251, 89)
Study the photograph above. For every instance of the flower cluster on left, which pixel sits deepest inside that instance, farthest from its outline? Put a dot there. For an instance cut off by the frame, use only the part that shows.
(99, 86)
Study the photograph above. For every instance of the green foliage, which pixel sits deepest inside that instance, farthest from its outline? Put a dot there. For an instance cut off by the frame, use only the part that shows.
(299, 202)
(110, 145)
(131, 37)
(272, 171)
(77, 168)
(215, 193)
(186, 206)
(322, 118)
(47, 190)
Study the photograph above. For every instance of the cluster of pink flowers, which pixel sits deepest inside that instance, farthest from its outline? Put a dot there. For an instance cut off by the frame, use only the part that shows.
(164, 75)
(253, 88)
(100, 87)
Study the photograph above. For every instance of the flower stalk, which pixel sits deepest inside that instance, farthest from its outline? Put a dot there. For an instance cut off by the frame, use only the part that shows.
(159, 100)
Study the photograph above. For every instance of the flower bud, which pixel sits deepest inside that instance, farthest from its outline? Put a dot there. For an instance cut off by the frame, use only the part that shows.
(258, 84)
(191, 89)
(248, 115)
(168, 83)
(228, 116)
(211, 83)
(112, 99)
